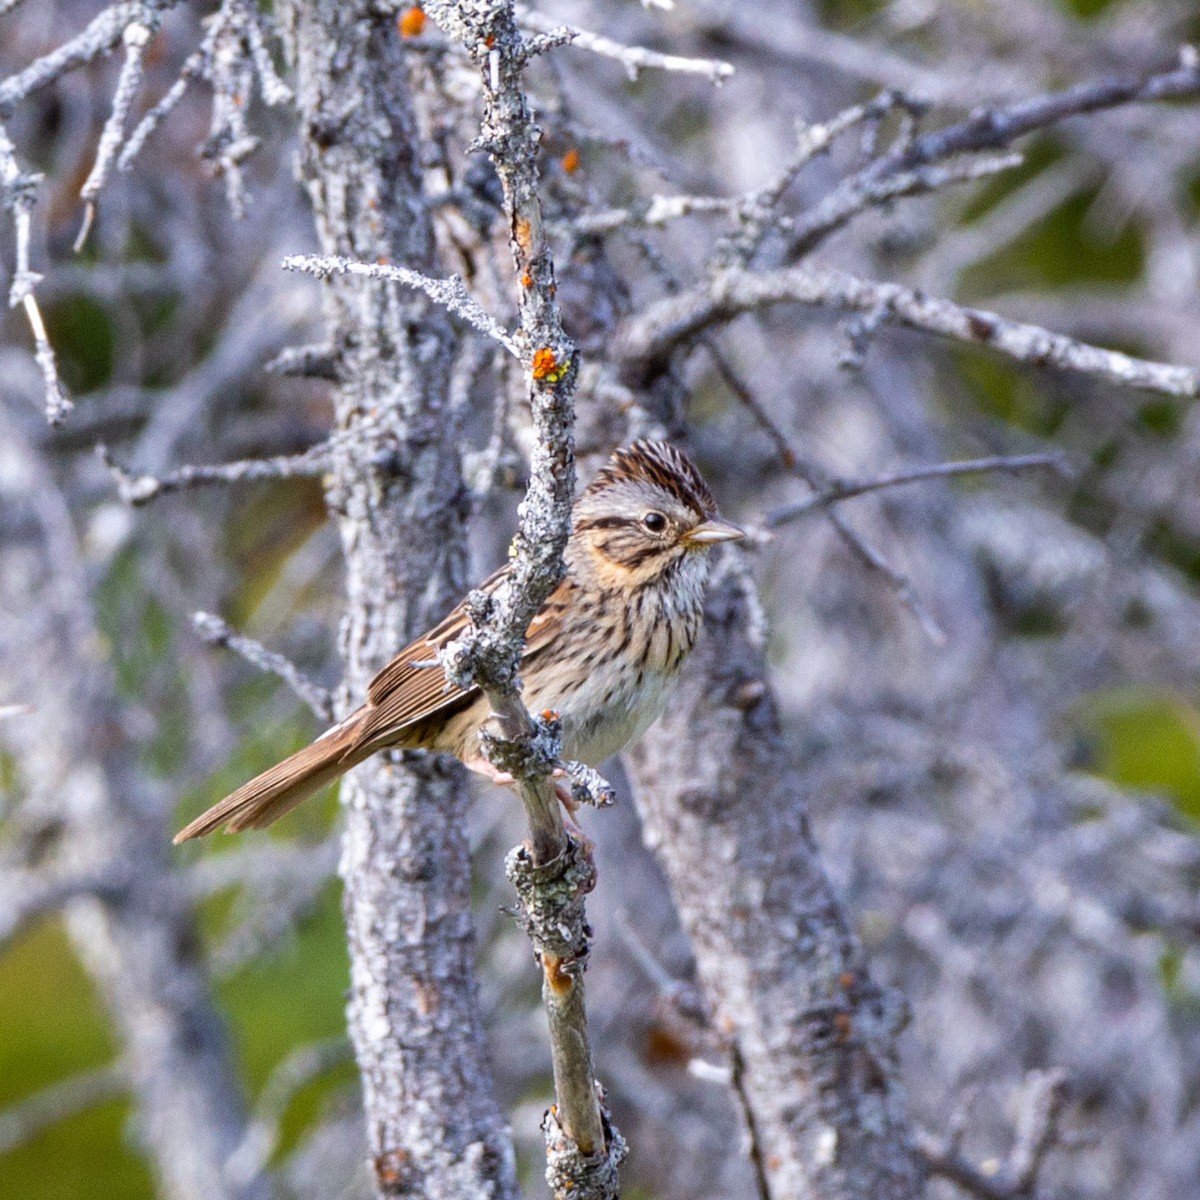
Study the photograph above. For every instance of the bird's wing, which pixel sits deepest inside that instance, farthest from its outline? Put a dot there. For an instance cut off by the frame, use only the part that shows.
(413, 686)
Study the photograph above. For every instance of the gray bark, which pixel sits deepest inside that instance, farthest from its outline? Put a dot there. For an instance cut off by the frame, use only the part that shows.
(811, 1038)
(433, 1126)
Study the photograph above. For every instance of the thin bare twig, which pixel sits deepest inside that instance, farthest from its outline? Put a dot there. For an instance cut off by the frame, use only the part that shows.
(191, 69)
(141, 489)
(797, 464)
(17, 191)
(212, 629)
(845, 489)
(450, 293)
(61, 1100)
(989, 129)
(651, 337)
(634, 59)
(136, 36)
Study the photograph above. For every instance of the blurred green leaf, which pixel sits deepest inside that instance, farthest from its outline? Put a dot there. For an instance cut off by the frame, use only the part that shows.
(54, 1027)
(1147, 739)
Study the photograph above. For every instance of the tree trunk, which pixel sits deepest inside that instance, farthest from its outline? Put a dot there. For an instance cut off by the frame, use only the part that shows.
(811, 1038)
(433, 1125)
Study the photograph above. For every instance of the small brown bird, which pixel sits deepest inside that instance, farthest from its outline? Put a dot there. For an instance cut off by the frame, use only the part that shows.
(602, 652)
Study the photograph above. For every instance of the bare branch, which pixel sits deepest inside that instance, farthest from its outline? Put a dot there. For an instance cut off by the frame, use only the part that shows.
(986, 129)
(450, 293)
(797, 464)
(657, 210)
(274, 861)
(136, 36)
(845, 489)
(296, 1071)
(813, 1039)
(17, 191)
(55, 1103)
(141, 489)
(653, 336)
(192, 68)
(237, 31)
(215, 631)
(101, 35)
(634, 59)
(318, 361)
(27, 895)
(583, 1148)
(1038, 1132)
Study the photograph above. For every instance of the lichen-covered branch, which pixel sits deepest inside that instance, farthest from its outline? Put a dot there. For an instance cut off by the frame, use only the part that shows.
(433, 1125)
(585, 1161)
(103, 33)
(812, 1038)
(659, 330)
(634, 59)
(450, 293)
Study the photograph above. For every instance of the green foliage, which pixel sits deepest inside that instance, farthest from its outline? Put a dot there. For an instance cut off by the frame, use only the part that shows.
(54, 1027)
(289, 998)
(1146, 739)
(1067, 249)
(84, 341)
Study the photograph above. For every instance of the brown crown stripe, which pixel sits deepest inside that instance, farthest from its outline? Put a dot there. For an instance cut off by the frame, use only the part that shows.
(660, 464)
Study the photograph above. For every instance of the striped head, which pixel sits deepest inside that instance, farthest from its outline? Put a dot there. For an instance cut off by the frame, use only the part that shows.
(647, 511)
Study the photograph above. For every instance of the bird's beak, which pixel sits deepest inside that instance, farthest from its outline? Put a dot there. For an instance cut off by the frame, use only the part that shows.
(708, 533)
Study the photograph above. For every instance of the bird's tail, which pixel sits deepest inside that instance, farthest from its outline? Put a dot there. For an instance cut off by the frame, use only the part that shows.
(275, 792)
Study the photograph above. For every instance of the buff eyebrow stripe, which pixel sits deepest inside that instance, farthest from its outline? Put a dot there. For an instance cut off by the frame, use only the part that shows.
(601, 523)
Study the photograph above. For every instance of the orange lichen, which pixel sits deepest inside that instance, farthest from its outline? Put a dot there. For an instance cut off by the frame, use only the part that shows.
(527, 280)
(571, 161)
(557, 980)
(383, 261)
(523, 232)
(547, 368)
(548, 714)
(411, 22)
(844, 1026)
(846, 980)
(391, 1166)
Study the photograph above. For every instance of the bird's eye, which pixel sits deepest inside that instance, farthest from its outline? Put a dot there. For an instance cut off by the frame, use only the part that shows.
(655, 522)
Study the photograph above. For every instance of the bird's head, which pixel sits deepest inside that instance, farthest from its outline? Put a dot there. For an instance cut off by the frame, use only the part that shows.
(647, 511)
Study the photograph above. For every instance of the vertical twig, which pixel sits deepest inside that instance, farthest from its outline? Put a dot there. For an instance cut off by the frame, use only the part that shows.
(583, 1150)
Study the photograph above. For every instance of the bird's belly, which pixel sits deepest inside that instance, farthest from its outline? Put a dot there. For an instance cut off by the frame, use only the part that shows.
(608, 711)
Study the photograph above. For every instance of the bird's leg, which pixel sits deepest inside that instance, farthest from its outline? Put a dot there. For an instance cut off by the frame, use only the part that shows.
(562, 789)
